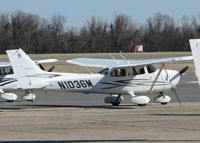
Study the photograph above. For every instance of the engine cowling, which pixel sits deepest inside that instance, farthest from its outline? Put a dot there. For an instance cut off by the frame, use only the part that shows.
(114, 100)
(10, 97)
(29, 97)
(162, 99)
(140, 100)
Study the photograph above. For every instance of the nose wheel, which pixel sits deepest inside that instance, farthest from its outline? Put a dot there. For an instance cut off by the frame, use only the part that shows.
(162, 99)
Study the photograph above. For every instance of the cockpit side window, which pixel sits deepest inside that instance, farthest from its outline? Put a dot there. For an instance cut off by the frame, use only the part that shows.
(118, 72)
(1, 72)
(140, 70)
(132, 71)
(151, 69)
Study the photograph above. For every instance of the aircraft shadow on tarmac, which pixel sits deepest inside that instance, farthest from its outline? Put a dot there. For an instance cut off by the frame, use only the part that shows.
(177, 114)
(23, 106)
(89, 141)
(82, 106)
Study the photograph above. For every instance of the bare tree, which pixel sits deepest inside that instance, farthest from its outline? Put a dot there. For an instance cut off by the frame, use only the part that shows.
(5, 33)
(159, 31)
(39, 35)
(57, 32)
(122, 31)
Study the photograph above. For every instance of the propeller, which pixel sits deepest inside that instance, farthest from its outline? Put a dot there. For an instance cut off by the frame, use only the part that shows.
(173, 78)
(179, 73)
(177, 97)
(182, 71)
(40, 65)
(49, 70)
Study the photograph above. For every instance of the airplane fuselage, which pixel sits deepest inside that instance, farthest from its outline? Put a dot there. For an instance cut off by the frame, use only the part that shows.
(100, 83)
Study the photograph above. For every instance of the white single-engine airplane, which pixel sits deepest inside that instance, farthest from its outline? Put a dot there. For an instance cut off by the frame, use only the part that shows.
(118, 77)
(8, 81)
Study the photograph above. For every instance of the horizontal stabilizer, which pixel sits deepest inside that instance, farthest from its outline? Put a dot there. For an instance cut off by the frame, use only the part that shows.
(45, 61)
(8, 64)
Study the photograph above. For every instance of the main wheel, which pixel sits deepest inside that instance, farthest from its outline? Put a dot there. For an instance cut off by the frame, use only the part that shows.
(163, 103)
(10, 101)
(142, 105)
(115, 103)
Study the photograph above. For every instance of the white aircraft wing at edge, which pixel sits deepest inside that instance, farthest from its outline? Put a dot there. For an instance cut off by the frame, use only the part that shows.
(195, 48)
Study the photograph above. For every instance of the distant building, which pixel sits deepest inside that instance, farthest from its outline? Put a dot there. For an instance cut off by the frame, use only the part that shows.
(138, 48)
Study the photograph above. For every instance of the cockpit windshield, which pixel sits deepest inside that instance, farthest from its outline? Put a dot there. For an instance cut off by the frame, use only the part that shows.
(104, 71)
(151, 68)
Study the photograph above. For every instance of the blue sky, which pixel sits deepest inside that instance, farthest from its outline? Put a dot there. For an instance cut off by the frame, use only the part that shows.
(77, 12)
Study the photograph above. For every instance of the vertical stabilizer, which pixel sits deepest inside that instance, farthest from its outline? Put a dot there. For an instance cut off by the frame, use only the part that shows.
(24, 68)
(195, 48)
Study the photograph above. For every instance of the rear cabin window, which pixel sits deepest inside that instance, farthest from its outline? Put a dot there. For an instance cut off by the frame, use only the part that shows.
(118, 72)
(132, 71)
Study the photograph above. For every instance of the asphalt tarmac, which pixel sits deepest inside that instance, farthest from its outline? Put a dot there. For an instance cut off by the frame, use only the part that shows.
(76, 117)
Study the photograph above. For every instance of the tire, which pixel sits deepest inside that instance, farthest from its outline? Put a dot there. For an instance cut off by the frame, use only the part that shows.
(142, 105)
(115, 103)
(164, 103)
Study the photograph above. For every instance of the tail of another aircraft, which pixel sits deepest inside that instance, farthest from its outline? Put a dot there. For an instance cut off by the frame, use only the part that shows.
(195, 48)
(25, 70)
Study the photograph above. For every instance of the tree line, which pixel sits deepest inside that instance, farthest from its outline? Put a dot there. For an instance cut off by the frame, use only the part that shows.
(35, 34)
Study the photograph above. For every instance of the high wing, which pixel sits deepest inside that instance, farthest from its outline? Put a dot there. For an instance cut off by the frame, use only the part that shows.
(93, 62)
(8, 64)
(109, 63)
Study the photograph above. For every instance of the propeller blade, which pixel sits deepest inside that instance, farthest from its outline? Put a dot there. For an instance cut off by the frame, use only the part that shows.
(174, 90)
(51, 69)
(40, 65)
(183, 70)
(179, 73)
